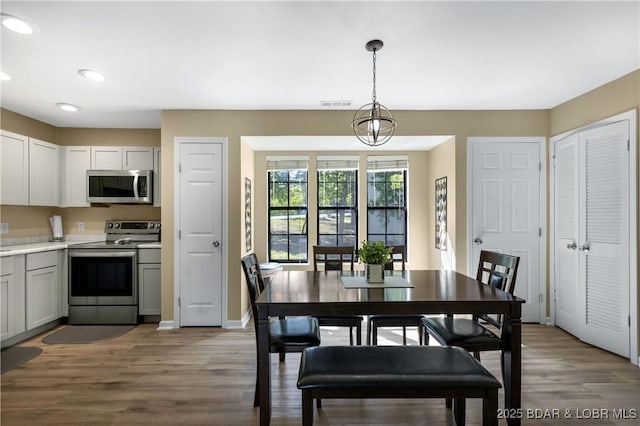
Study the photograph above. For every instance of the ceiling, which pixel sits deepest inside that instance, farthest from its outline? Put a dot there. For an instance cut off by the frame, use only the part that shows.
(160, 55)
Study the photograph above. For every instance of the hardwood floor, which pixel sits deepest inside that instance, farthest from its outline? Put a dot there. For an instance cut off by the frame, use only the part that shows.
(206, 376)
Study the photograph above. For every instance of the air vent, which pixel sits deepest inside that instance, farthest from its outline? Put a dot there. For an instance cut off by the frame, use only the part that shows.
(336, 103)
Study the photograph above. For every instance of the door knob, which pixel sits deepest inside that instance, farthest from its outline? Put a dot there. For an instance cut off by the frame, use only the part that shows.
(585, 247)
(216, 243)
(572, 246)
(478, 240)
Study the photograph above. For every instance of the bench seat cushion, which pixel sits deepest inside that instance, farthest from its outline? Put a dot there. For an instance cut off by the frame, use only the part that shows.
(374, 367)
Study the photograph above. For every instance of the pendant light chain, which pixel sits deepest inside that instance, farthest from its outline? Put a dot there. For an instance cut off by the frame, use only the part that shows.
(374, 77)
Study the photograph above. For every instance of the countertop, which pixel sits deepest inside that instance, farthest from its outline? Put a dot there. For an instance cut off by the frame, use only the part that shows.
(12, 250)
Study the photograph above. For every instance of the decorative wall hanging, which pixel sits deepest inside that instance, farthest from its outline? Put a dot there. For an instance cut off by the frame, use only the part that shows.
(247, 213)
(441, 213)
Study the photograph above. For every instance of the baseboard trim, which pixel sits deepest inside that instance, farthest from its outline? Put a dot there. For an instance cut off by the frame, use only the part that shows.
(165, 325)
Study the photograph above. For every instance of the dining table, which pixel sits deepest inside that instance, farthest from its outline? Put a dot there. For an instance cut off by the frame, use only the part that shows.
(411, 292)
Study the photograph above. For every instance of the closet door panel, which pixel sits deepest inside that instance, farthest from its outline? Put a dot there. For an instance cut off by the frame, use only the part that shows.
(604, 236)
(568, 309)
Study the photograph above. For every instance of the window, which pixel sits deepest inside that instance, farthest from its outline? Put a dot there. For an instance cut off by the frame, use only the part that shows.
(338, 201)
(386, 200)
(288, 210)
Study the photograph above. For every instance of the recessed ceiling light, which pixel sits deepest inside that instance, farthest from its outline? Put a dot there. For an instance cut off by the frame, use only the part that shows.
(4, 76)
(68, 107)
(16, 24)
(91, 75)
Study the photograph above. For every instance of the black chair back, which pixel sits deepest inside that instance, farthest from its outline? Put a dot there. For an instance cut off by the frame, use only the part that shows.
(500, 271)
(333, 257)
(398, 254)
(255, 284)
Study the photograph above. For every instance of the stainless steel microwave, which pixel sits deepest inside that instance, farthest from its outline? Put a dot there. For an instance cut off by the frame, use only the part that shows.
(120, 186)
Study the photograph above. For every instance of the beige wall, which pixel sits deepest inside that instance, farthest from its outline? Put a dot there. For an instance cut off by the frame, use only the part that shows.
(29, 221)
(442, 163)
(247, 171)
(235, 124)
(620, 95)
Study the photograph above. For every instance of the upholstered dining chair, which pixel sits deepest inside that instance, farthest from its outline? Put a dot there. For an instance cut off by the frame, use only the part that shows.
(291, 334)
(398, 256)
(334, 258)
(496, 270)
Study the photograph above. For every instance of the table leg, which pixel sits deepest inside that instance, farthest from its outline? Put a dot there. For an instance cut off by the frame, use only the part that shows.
(264, 371)
(511, 363)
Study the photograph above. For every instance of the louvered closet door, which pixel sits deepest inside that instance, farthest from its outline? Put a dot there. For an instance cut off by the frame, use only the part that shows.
(604, 236)
(568, 306)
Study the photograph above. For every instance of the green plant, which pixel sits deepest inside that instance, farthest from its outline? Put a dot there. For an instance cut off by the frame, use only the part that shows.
(374, 253)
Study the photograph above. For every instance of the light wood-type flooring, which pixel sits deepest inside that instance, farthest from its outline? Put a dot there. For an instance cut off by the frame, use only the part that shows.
(206, 376)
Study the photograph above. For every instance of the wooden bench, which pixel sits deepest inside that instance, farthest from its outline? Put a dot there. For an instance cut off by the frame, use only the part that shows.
(396, 372)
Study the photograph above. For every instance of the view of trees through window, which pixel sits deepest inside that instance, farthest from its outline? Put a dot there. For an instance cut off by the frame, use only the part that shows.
(386, 206)
(337, 218)
(288, 216)
(338, 208)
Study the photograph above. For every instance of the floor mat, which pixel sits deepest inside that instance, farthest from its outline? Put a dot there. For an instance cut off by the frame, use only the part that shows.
(73, 334)
(15, 356)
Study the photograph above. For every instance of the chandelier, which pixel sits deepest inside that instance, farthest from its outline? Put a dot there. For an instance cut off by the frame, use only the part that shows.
(373, 123)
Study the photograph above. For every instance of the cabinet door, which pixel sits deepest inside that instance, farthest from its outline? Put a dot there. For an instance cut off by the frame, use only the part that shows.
(6, 306)
(156, 177)
(106, 158)
(43, 296)
(14, 169)
(44, 173)
(76, 161)
(137, 158)
(149, 286)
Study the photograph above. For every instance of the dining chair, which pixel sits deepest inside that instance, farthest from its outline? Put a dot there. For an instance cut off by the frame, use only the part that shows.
(496, 270)
(290, 334)
(334, 258)
(398, 256)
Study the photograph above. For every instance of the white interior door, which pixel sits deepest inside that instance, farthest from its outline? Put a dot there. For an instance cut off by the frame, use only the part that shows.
(200, 234)
(592, 236)
(505, 211)
(604, 237)
(567, 272)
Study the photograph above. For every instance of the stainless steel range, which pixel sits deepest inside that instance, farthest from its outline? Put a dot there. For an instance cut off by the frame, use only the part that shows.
(103, 276)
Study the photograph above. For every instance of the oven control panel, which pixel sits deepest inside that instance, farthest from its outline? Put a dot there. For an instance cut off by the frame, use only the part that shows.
(132, 227)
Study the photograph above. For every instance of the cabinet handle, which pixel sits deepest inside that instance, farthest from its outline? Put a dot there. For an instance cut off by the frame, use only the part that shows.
(585, 247)
(572, 246)
(216, 243)
(478, 241)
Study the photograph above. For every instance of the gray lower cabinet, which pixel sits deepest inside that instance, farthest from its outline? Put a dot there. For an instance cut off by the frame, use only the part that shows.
(149, 281)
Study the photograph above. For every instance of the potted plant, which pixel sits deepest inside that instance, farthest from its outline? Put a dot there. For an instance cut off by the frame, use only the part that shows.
(374, 255)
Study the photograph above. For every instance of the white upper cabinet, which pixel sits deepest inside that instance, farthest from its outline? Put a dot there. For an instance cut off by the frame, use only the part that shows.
(106, 158)
(76, 160)
(121, 158)
(44, 173)
(14, 169)
(137, 158)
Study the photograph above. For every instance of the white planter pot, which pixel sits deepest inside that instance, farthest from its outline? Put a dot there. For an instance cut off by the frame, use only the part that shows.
(374, 273)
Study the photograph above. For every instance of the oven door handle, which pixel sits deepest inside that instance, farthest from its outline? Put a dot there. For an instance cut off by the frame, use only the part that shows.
(102, 253)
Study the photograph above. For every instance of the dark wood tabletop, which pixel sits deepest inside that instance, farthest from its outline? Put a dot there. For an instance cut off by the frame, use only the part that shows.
(433, 292)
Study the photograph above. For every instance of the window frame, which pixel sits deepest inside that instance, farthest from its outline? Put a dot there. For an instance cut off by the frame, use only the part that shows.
(287, 210)
(386, 208)
(354, 208)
